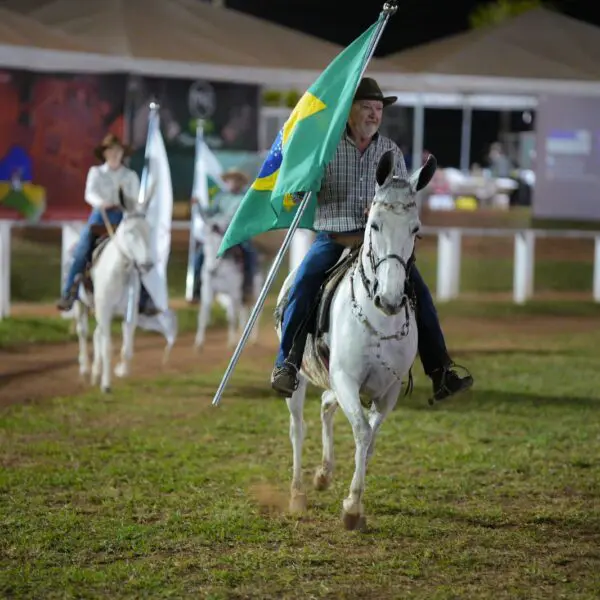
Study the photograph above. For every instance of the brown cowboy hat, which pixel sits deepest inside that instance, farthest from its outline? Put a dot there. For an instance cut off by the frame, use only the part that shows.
(109, 141)
(236, 174)
(368, 89)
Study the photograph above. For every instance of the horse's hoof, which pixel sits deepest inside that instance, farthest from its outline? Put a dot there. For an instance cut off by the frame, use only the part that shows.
(322, 480)
(84, 371)
(121, 370)
(106, 389)
(354, 522)
(298, 504)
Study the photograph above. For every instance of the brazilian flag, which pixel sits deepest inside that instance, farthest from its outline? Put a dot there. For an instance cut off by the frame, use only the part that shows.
(305, 145)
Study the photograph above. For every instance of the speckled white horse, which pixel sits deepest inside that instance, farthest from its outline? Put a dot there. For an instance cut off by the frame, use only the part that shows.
(371, 340)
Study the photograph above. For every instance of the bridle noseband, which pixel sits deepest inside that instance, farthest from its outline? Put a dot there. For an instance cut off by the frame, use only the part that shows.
(371, 290)
(130, 261)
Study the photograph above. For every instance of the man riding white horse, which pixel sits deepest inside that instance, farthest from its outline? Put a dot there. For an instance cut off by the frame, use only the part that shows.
(226, 204)
(102, 193)
(346, 192)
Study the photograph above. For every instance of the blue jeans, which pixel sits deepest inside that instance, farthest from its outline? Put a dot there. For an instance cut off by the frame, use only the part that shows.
(84, 249)
(322, 256)
(250, 265)
(310, 276)
(432, 345)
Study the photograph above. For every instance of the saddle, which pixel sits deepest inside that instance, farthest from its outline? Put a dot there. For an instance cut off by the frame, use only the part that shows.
(101, 239)
(236, 254)
(316, 322)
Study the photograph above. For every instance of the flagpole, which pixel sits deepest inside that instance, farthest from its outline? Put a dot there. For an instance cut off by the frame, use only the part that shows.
(153, 121)
(189, 279)
(389, 8)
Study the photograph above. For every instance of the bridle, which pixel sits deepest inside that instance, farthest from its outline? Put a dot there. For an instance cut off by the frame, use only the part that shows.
(129, 262)
(371, 289)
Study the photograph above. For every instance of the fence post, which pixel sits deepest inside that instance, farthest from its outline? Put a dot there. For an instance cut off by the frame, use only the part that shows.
(5, 228)
(524, 266)
(448, 264)
(301, 242)
(597, 269)
(71, 232)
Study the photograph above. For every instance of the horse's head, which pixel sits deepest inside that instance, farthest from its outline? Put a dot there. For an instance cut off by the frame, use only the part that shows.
(134, 236)
(215, 225)
(391, 230)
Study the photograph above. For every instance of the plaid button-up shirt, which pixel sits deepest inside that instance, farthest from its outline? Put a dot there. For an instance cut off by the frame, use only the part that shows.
(348, 185)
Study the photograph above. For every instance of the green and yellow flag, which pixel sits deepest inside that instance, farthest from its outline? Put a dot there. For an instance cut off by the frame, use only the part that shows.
(302, 149)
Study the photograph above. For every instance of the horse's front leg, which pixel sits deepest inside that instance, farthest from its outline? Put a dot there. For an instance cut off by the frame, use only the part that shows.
(297, 435)
(81, 320)
(324, 473)
(380, 409)
(206, 301)
(347, 393)
(102, 348)
(128, 328)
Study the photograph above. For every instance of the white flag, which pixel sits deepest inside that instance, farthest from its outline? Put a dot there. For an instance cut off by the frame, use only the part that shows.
(206, 168)
(160, 216)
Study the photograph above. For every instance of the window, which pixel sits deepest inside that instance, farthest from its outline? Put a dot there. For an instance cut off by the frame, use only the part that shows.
(272, 119)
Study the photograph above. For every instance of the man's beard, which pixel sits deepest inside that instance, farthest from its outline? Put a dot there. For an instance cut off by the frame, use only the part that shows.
(369, 130)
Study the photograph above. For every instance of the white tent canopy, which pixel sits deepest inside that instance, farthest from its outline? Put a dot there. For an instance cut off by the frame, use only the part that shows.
(177, 38)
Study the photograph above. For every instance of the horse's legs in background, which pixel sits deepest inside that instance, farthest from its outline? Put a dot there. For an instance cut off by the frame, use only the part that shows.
(206, 300)
(106, 348)
(258, 283)
(128, 326)
(97, 364)
(297, 435)
(234, 310)
(324, 473)
(379, 411)
(347, 393)
(81, 326)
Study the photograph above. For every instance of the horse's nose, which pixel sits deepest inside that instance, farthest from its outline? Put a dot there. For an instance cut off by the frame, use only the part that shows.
(386, 307)
(146, 266)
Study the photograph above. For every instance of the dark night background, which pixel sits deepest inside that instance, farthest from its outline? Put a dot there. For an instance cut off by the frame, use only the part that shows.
(416, 22)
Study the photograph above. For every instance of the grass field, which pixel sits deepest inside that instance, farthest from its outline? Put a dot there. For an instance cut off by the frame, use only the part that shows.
(487, 266)
(152, 493)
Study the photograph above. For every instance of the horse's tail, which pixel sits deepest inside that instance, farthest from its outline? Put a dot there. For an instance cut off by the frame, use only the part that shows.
(167, 353)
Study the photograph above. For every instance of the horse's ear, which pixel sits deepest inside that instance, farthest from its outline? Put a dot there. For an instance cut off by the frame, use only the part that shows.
(204, 215)
(122, 200)
(421, 177)
(385, 167)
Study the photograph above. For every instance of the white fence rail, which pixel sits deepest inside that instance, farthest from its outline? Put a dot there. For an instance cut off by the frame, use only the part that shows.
(448, 259)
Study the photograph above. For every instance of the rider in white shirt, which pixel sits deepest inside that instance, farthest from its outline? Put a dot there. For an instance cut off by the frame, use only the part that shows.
(102, 193)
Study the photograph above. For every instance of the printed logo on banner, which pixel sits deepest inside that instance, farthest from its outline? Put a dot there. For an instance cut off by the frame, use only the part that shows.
(201, 100)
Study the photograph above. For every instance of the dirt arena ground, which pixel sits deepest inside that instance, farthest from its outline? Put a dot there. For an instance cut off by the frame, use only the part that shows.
(34, 373)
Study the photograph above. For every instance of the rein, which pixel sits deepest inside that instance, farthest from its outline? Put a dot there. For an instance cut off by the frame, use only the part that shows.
(371, 290)
(113, 237)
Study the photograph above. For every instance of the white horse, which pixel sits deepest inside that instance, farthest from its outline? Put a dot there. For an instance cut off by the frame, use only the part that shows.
(115, 275)
(222, 279)
(370, 343)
